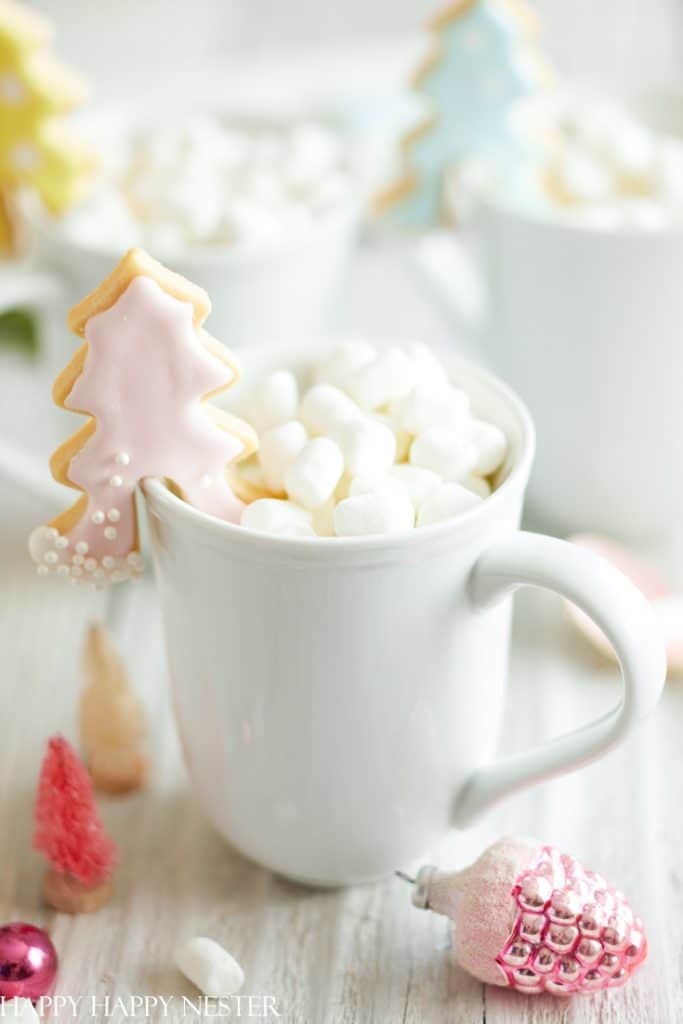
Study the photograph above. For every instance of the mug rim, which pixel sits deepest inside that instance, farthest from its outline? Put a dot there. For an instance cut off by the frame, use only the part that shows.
(347, 216)
(507, 207)
(154, 488)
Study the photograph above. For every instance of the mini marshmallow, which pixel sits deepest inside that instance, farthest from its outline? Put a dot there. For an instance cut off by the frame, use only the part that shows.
(402, 437)
(424, 408)
(250, 222)
(323, 519)
(445, 502)
(583, 178)
(417, 481)
(386, 508)
(428, 372)
(278, 448)
(490, 444)
(444, 452)
(312, 477)
(324, 408)
(477, 485)
(274, 401)
(388, 377)
(273, 515)
(368, 446)
(210, 967)
(348, 356)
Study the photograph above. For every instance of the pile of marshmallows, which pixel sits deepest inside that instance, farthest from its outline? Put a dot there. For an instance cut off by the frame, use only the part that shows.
(380, 443)
(207, 182)
(608, 169)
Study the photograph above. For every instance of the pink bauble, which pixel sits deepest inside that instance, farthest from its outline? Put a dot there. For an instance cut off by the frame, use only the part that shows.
(28, 961)
(534, 919)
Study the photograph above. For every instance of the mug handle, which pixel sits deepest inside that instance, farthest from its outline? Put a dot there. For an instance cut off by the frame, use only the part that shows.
(626, 619)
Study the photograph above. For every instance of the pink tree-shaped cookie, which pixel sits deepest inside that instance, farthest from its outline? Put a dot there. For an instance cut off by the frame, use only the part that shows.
(143, 375)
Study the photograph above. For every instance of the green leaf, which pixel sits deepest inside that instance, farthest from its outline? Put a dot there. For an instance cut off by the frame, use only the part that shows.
(18, 329)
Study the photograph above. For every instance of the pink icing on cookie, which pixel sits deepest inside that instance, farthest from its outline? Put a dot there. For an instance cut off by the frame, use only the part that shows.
(145, 373)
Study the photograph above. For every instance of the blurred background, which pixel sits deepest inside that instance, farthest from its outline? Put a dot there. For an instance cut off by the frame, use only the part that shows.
(622, 44)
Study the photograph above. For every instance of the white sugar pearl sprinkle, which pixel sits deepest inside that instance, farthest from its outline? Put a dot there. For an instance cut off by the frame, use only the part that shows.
(113, 515)
(108, 562)
(61, 543)
(90, 564)
(50, 557)
(97, 517)
(110, 532)
(82, 547)
(122, 459)
(77, 560)
(116, 480)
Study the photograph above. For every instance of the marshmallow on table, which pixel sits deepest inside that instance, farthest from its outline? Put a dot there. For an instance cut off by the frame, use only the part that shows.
(274, 401)
(444, 452)
(325, 407)
(210, 967)
(389, 376)
(278, 448)
(277, 516)
(446, 501)
(384, 507)
(311, 479)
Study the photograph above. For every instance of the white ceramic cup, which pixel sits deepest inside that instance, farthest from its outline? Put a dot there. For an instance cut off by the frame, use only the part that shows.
(340, 700)
(259, 295)
(588, 327)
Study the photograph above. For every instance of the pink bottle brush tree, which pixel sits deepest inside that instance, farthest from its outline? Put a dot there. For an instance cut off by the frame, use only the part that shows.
(69, 833)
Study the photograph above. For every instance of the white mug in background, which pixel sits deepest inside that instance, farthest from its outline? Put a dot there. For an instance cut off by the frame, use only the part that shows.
(260, 293)
(587, 326)
(340, 700)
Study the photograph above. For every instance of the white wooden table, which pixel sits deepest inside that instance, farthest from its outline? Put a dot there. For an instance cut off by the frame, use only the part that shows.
(364, 956)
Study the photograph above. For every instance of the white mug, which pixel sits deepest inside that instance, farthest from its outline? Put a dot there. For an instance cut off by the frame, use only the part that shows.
(258, 296)
(588, 327)
(340, 700)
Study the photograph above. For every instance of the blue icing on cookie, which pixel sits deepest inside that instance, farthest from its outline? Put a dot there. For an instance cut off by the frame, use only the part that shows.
(470, 87)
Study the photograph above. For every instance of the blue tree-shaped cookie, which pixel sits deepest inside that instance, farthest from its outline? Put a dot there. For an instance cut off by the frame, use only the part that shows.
(481, 63)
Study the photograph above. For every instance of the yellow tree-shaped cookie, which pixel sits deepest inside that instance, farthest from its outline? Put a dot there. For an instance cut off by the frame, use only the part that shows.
(36, 92)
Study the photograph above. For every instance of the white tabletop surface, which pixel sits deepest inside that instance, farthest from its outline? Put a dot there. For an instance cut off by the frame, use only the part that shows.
(363, 956)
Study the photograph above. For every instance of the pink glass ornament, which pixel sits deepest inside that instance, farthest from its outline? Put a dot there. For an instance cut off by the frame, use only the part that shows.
(531, 918)
(28, 961)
